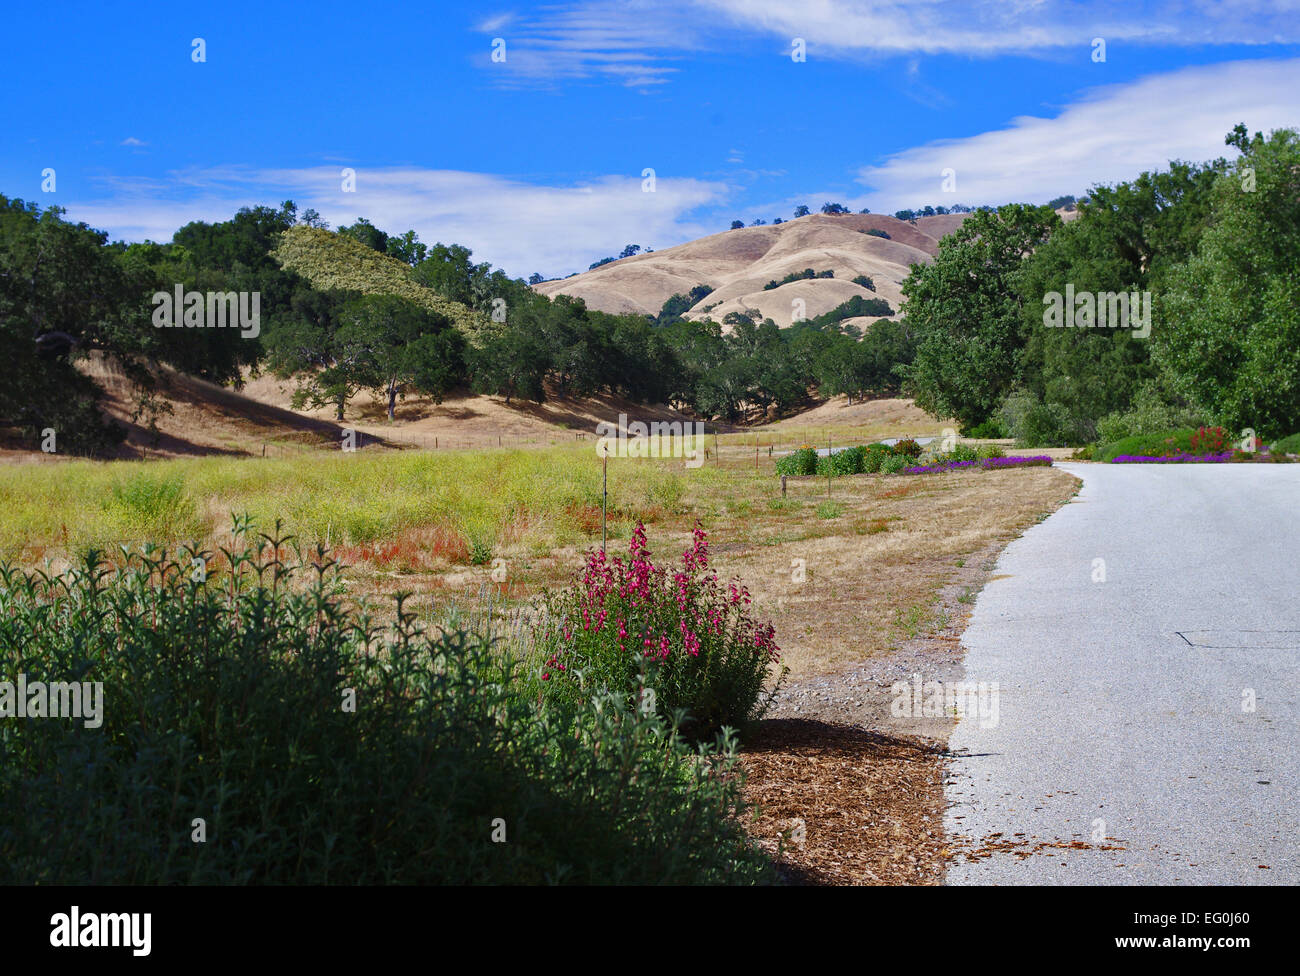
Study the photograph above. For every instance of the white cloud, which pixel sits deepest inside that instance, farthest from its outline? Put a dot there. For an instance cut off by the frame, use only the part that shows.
(492, 25)
(518, 226)
(1111, 134)
(132, 218)
(622, 41)
(997, 26)
(629, 41)
(132, 141)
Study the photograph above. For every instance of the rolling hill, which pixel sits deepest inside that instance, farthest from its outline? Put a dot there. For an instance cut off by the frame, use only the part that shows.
(738, 263)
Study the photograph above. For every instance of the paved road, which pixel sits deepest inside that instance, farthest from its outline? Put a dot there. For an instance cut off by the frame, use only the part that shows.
(1122, 701)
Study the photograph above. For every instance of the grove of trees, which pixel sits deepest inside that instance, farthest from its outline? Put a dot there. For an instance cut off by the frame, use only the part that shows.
(362, 309)
(1216, 245)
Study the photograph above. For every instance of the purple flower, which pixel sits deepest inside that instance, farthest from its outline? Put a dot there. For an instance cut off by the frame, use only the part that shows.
(987, 464)
(1180, 458)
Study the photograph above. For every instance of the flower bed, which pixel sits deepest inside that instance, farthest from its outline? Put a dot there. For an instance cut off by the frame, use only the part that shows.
(984, 464)
(1180, 458)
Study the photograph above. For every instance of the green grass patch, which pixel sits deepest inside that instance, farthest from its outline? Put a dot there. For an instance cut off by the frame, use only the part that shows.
(1288, 445)
(349, 499)
(1150, 445)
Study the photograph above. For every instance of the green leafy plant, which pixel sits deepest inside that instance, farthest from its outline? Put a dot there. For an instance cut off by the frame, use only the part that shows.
(323, 745)
(849, 460)
(875, 456)
(959, 452)
(680, 640)
(1149, 413)
(1288, 445)
(800, 462)
(990, 429)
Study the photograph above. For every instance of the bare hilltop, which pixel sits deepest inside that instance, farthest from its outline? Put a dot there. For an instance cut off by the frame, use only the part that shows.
(737, 264)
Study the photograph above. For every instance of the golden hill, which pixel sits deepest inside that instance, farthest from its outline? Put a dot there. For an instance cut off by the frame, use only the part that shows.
(738, 263)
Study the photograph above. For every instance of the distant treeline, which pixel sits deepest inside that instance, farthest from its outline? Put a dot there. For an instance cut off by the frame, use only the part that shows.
(362, 309)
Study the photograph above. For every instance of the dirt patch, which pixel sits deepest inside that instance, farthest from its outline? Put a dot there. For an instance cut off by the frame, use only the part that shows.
(851, 792)
(838, 412)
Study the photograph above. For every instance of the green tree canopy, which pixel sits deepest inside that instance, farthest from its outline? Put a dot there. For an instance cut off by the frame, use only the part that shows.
(1228, 327)
(965, 312)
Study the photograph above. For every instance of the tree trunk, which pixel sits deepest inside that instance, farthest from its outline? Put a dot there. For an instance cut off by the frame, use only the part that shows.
(338, 414)
(392, 401)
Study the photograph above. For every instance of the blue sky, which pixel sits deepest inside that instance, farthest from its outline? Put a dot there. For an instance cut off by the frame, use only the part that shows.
(537, 161)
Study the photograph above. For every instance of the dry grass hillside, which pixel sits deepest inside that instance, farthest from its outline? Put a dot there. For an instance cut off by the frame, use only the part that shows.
(738, 263)
(200, 419)
(197, 418)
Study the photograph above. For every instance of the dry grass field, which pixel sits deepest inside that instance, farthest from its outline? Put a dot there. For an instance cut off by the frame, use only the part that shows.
(855, 575)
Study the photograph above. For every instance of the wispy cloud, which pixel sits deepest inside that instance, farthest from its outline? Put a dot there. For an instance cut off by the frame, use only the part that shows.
(632, 42)
(522, 227)
(985, 27)
(132, 141)
(639, 43)
(1110, 134)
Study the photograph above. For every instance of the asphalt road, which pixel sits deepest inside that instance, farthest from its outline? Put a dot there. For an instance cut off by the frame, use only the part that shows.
(1124, 706)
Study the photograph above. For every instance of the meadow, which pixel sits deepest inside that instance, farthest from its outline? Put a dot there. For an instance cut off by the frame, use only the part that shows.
(469, 542)
(462, 526)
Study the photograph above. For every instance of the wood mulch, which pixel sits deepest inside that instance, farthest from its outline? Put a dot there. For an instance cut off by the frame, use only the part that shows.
(845, 805)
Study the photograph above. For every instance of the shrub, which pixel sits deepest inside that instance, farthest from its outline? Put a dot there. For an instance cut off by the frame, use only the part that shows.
(803, 275)
(1288, 445)
(480, 551)
(154, 505)
(849, 460)
(634, 626)
(801, 462)
(990, 429)
(865, 282)
(875, 457)
(1034, 423)
(985, 451)
(908, 448)
(1210, 440)
(1148, 414)
(225, 698)
(894, 463)
(1166, 443)
(959, 452)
